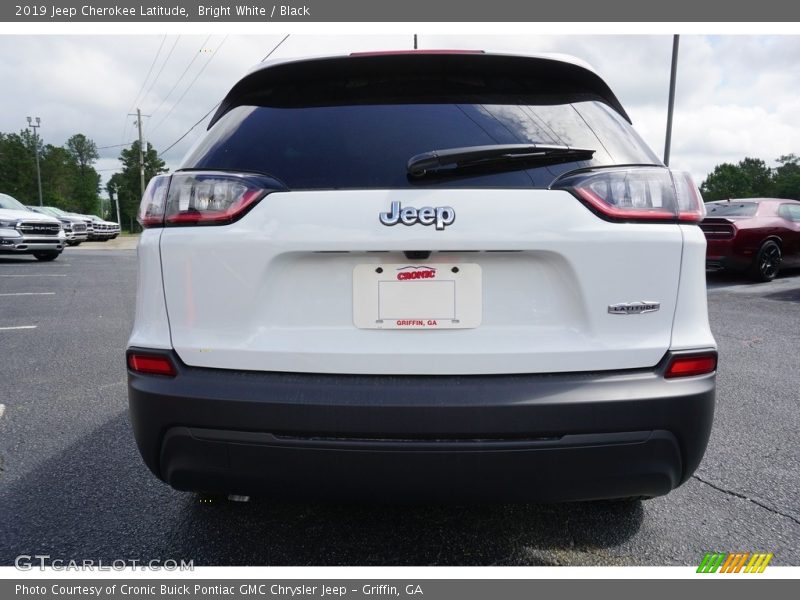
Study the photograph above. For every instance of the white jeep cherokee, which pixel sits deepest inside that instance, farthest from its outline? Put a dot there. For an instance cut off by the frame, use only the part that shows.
(422, 274)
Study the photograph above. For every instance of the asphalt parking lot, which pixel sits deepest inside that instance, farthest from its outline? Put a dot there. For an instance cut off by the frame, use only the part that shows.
(73, 486)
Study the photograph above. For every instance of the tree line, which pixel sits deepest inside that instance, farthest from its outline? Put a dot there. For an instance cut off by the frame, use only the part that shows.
(752, 178)
(69, 178)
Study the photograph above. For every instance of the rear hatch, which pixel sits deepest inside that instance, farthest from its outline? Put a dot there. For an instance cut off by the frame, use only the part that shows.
(311, 278)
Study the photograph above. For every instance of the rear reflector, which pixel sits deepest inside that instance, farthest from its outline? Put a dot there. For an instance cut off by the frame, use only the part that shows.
(151, 364)
(688, 366)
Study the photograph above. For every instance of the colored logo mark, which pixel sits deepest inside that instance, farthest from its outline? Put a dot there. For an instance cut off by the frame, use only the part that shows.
(736, 562)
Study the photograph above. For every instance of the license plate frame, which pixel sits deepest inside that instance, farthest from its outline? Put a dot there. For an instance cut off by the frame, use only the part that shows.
(414, 296)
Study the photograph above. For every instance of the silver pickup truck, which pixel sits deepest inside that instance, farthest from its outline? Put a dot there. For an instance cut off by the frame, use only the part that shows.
(25, 232)
(75, 228)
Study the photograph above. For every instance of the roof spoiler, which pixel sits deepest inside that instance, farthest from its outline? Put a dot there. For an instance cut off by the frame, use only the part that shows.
(500, 74)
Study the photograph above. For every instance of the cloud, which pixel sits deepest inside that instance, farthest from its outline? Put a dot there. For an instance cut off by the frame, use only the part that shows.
(736, 95)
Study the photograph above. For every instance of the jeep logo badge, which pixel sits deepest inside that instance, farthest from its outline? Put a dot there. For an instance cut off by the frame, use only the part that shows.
(440, 216)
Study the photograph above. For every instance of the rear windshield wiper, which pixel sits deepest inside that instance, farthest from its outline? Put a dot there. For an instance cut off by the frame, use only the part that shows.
(449, 161)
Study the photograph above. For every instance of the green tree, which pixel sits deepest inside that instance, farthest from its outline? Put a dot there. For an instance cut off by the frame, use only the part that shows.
(750, 178)
(86, 183)
(127, 184)
(58, 178)
(18, 166)
(786, 177)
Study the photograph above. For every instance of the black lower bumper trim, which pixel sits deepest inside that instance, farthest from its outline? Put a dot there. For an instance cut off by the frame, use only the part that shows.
(579, 467)
(501, 437)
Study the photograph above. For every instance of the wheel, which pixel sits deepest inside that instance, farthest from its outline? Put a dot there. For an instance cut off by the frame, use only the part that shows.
(46, 256)
(767, 262)
(73, 243)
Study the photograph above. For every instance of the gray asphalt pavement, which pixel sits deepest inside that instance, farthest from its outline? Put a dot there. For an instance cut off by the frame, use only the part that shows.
(73, 486)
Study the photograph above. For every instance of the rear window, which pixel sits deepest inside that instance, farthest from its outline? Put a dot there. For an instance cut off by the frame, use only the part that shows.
(731, 209)
(368, 145)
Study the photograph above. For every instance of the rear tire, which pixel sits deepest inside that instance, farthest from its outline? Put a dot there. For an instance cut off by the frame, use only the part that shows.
(767, 263)
(46, 256)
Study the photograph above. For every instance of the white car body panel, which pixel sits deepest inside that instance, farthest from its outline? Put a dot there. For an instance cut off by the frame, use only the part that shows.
(273, 291)
(691, 329)
(150, 325)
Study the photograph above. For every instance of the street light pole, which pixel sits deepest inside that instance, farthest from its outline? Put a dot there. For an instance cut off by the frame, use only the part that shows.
(671, 106)
(36, 152)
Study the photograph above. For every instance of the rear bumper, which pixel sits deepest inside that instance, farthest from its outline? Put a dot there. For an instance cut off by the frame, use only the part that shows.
(511, 437)
(723, 254)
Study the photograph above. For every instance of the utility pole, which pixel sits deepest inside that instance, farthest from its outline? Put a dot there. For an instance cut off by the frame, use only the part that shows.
(36, 149)
(139, 116)
(671, 106)
(119, 216)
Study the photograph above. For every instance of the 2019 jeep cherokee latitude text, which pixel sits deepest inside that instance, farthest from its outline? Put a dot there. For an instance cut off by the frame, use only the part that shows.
(437, 275)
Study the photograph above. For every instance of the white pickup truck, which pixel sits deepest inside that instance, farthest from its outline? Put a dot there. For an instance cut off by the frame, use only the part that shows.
(23, 231)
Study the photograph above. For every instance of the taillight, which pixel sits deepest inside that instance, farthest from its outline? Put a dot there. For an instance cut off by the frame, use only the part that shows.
(203, 198)
(715, 231)
(151, 208)
(151, 364)
(690, 365)
(637, 193)
(690, 203)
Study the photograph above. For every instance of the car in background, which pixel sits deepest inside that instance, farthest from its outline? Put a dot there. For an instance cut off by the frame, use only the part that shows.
(89, 224)
(754, 236)
(104, 230)
(99, 230)
(74, 227)
(115, 229)
(23, 231)
(447, 275)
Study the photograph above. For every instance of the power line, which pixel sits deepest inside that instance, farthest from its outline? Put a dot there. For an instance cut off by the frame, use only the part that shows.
(186, 91)
(213, 108)
(149, 71)
(144, 83)
(203, 118)
(161, 70)
(286, 37)
(114, 146)
(186, 70)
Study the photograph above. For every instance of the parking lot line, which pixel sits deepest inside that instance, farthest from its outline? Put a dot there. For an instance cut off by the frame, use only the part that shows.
(18, 327)
(30, 294)
(38, 275)
(2, 410)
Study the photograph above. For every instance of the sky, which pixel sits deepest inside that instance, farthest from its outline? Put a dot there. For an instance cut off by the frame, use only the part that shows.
(736, 95)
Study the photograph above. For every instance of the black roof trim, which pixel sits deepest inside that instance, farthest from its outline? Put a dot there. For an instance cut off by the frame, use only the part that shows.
(569, 78)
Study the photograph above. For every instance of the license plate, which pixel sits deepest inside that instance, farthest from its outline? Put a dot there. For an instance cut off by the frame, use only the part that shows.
(408, 296)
